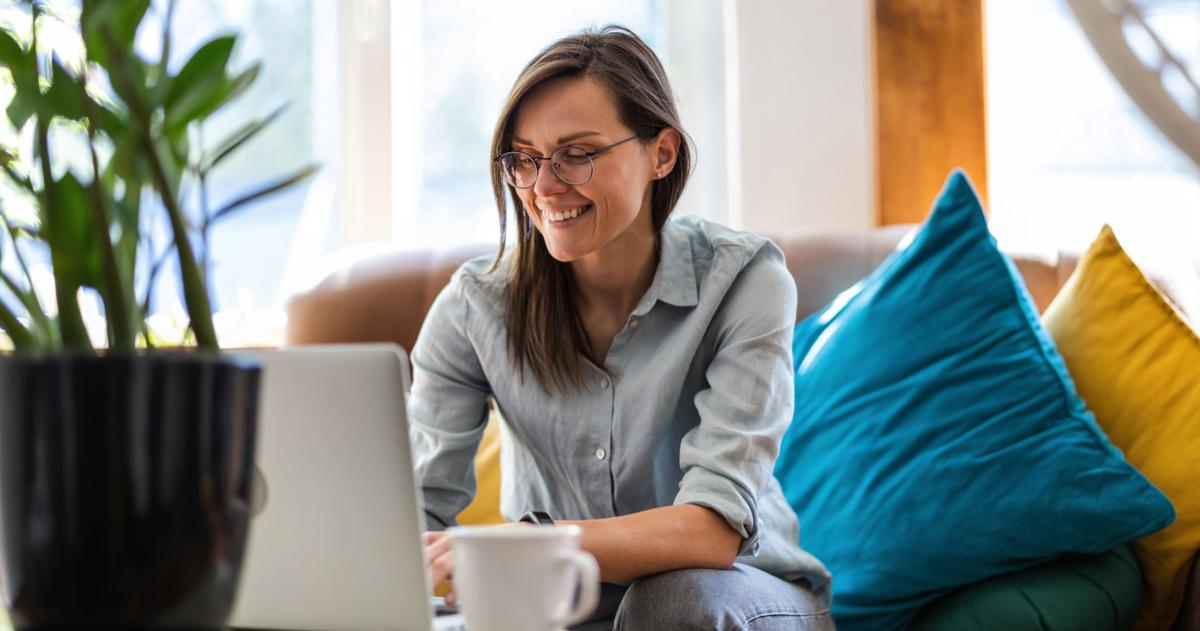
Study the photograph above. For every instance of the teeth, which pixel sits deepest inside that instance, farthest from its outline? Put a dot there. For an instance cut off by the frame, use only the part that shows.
(566, 214)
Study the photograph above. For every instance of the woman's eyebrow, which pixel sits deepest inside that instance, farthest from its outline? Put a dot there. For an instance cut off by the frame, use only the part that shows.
(565, 139)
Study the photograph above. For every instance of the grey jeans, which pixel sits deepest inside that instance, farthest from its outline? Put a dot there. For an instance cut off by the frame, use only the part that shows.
(742, 597)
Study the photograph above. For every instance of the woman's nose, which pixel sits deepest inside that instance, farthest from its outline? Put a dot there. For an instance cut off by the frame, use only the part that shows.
(547, 182)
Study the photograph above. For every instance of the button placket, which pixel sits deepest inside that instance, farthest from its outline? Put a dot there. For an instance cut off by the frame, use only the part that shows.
(605, 502)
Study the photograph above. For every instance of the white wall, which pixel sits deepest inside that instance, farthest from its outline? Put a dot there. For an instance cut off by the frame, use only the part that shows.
(803, 115)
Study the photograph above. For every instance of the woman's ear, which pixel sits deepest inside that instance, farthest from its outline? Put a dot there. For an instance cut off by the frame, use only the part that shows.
(666, 151)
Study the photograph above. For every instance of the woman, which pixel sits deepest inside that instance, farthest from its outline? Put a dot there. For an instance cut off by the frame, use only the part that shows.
(643, 365)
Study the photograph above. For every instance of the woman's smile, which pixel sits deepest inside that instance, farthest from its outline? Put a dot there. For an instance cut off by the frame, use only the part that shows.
(566, 217)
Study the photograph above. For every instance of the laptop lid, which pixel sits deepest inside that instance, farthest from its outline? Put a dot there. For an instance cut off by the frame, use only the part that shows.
(337, 544)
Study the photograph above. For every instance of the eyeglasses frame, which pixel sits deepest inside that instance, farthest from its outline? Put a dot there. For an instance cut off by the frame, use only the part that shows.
(537, 161)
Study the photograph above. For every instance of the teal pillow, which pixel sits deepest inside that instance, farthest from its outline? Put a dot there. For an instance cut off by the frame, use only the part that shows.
(937, 437)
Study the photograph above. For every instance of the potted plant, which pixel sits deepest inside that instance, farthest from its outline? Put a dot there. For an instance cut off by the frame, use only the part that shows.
(125, 467)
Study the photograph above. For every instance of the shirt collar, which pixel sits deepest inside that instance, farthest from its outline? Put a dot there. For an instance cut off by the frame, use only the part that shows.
(675, 277)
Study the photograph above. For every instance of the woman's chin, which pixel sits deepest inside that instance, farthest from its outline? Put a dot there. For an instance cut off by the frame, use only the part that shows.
(565, 252)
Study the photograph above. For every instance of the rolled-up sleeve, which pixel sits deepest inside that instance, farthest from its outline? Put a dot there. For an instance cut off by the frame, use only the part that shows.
(447, 408)
(729, 457)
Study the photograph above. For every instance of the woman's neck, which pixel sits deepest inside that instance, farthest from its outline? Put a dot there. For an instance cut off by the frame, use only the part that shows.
(614, 278)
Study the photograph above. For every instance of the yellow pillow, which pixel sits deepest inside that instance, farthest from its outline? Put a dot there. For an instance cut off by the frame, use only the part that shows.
(1136, 362)
(485, 508)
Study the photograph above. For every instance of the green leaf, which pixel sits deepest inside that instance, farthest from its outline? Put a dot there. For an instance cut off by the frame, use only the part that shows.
(118, 18)
(179, 147)
(22, 64)
(197, 89)
(229, 90)
(270, 189)
(239, 138)
(11, 52)
(71, 235)
(64, 98)
(135, 89)
(128, 161)
(108, 119)
(236, 86)
(21, 109)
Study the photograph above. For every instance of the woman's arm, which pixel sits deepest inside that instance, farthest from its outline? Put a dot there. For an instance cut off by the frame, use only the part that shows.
(447, 408)
(659, 540)
(628, 547)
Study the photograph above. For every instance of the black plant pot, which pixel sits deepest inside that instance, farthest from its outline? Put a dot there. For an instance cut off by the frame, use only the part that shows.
(125, 488)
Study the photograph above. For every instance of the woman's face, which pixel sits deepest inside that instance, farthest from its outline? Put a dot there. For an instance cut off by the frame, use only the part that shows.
(612, 205)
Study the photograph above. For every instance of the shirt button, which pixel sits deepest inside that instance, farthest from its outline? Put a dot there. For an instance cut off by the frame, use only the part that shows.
(634, 323)
(600, 453)
(604, 383)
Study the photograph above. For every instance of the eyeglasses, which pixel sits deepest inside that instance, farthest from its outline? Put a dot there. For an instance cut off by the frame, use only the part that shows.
(571, 164)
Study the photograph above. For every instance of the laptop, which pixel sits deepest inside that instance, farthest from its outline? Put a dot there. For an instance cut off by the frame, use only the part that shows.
(337, 544)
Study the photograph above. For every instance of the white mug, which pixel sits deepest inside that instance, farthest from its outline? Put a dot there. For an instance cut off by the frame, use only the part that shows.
(522, 577)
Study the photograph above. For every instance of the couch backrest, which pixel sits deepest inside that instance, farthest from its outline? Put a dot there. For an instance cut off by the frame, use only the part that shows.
(385, 296)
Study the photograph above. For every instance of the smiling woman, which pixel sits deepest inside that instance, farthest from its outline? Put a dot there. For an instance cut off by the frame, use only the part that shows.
(605, 247)
(643, 363)
(575, 188)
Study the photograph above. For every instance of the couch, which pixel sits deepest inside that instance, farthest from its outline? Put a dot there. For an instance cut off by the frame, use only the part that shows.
(384, 296)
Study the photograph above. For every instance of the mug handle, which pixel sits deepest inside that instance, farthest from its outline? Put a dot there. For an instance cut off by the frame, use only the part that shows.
(589, 587)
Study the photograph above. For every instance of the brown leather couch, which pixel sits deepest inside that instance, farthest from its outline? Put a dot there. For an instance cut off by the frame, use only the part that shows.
(384, 297)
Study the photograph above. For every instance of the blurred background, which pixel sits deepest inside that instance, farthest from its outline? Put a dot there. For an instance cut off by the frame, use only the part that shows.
(806, 114)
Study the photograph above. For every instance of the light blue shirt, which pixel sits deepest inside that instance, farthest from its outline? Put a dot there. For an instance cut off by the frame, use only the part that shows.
(690, 407)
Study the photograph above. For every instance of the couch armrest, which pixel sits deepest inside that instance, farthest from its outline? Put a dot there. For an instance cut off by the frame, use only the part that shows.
(379, 296)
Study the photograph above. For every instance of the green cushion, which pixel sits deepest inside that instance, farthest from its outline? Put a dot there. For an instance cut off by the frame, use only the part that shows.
(1072, 592)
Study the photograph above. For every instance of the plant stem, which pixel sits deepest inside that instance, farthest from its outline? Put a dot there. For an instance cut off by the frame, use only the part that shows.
(21, 338)
(202, 177)
(74, 333)
(70, 320)
(195, 292)
(165, 58)
(116, 299)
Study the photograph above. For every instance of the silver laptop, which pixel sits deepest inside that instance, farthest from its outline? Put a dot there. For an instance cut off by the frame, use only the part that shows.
(337, 544)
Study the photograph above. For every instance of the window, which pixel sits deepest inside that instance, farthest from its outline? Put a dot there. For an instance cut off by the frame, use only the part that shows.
(461, 91)
(248, 250)
(471, 54)
(396, 102)
(1069, 151)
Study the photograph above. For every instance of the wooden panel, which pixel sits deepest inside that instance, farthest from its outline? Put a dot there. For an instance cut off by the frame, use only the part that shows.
(929, 109)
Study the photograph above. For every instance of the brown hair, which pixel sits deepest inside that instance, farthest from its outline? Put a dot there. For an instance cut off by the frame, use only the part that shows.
(545, 331)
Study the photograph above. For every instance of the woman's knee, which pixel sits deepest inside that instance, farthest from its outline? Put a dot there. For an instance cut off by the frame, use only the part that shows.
(683, 599)
(738, 598)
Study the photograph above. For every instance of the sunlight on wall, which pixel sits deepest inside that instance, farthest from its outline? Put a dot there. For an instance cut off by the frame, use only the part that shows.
(1068, 149)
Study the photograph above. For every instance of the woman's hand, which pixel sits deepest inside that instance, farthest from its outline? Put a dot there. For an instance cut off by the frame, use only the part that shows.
(439, 564)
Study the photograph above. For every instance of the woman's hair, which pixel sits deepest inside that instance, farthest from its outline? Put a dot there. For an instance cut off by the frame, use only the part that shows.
(545, 331)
